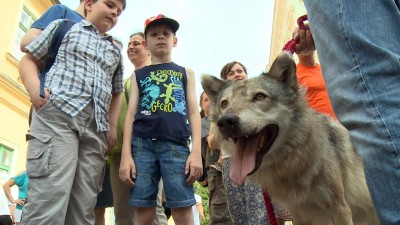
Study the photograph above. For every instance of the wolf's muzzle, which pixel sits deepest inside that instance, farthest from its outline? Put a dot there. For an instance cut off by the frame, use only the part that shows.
(228, 125)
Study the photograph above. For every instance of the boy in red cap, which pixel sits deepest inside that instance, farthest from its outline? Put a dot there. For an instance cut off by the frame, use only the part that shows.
(162, 100)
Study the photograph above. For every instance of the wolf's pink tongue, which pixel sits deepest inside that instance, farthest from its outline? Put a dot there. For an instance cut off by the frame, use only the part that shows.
(244, 159)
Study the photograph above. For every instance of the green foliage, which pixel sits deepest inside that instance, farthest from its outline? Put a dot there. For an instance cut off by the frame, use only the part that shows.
(204, 193)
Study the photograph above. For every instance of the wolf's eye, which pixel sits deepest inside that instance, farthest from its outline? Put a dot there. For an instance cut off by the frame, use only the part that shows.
(224, 104)
(259, 96)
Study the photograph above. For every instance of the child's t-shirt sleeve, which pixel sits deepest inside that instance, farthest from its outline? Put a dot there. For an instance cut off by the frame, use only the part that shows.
(39, 46)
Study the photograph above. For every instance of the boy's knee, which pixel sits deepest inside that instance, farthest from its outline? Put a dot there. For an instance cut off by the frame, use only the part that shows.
(182, 214)
(145, 215)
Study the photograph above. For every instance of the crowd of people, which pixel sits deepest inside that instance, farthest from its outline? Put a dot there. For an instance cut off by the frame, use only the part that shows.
(78, 165)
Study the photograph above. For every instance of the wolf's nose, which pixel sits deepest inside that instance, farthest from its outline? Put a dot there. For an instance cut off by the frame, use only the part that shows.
(228, 122)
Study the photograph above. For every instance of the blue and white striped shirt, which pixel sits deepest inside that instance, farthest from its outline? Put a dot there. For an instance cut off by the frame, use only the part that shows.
(87, 67)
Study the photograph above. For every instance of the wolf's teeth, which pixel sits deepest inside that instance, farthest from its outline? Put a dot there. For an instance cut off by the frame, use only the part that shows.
(258, 146)
(260, 143)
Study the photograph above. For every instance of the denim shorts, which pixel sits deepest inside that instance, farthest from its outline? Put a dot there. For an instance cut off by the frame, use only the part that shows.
(155, 159)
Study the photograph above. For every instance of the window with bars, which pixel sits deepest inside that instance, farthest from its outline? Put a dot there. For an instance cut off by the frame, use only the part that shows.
(5, 159)
(25, 23)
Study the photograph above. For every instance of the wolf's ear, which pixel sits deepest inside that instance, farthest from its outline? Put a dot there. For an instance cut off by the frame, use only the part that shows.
(284, 70)
(211, 85)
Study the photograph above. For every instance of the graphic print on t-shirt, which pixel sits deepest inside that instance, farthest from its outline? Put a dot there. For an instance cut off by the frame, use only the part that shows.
(163, 91)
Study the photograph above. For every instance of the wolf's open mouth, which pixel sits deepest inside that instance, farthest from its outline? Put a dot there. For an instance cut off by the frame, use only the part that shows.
(250, 151)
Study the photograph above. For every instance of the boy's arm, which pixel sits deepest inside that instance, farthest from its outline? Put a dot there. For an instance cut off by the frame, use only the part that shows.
(127, 170)
(115, 108)
(32, 61)
(194, 167)
(28, 67)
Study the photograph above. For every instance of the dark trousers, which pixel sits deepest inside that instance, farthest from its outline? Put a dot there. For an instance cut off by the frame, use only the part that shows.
(5, 220)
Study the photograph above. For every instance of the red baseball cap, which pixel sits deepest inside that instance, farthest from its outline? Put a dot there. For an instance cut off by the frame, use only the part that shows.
(161, 19)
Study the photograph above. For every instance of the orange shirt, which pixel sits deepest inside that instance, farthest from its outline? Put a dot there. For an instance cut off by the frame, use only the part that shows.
(317, 95)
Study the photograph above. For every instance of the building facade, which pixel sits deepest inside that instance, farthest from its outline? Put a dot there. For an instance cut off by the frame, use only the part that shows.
(285, 17)
(17, 17)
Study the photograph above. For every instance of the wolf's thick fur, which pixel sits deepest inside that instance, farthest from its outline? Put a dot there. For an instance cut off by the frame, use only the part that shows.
(304, 159)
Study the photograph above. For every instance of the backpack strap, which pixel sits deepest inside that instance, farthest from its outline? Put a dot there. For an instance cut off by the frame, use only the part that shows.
(62, 28)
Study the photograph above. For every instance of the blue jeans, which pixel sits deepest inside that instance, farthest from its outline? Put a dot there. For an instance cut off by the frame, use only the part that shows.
(358, 44)
(155, 159)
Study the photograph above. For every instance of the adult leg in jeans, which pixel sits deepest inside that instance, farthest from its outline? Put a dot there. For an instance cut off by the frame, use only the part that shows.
(358, 46)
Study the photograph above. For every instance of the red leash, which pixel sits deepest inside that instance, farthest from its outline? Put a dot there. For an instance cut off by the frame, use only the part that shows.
(290, 46)
(270, 209)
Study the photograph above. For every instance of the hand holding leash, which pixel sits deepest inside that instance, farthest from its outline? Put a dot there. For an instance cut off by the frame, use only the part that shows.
(302, 42)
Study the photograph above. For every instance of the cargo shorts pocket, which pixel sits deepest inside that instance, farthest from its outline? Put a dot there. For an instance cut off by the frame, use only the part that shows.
(38, 156)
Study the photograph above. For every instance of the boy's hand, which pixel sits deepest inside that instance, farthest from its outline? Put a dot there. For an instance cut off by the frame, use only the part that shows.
(112, 139)
(37, 101)
(127, 170)
(194, 168)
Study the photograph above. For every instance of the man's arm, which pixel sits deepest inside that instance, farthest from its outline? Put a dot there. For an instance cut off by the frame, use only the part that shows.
(115, 108)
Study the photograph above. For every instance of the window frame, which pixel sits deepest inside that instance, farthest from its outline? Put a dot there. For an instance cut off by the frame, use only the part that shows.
(5, 167)
(25, 21)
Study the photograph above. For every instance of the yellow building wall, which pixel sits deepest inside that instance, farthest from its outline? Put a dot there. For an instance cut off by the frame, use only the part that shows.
(14, 100)
(285, 17)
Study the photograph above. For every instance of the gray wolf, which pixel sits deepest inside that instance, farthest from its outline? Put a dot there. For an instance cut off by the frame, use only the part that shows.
(302, 158)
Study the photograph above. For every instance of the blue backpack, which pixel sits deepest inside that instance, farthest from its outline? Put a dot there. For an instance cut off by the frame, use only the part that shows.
(62, 28)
